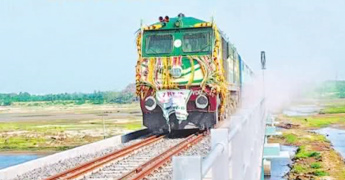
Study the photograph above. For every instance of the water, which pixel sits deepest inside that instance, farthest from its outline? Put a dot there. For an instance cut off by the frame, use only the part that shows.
(302, 110)
(279, 167)
(7, 160)
(337, 138)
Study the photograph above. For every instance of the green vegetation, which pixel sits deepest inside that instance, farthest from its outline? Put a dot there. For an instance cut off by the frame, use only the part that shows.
(308, 157)
(315, 156)
(290, 138)
(22, 143)
(56, 122)
(97, 97)
(133, 125)
(303, 153)
(318, 121)
(297, 138)
(60, 127)
(315, 165)
(334, 109)
(57, 135)
(33, 136)
(298, 168)
(320, 173)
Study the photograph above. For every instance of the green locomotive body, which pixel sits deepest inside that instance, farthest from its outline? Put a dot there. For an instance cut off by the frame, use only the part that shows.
(187, 75)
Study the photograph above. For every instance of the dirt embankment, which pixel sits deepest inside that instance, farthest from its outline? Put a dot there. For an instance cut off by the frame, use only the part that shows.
(315, 157)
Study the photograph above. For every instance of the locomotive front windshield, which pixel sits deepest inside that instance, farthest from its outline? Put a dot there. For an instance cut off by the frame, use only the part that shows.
(177, 42)
(159, 44)
(196, 42)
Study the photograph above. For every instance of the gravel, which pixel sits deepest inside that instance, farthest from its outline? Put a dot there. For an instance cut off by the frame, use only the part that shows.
(63, 165)
(202, 149)
(118, 168)
(123, 165)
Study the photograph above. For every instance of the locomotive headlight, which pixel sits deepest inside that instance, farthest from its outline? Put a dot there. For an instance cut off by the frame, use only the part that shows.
(150, 103)
(177, 23)
(176, 71)
(201, 102)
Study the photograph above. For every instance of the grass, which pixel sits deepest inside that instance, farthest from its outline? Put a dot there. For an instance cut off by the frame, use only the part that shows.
(134, 125)
(37, 135)
(302, 152)
(334, 109)
(22, 143)
(298, 138)
(298, 168)
(315, 165)
(318, 138)
(51, 128)
(309, 157)
(331, 114)
(320, 173)
(38, 141)
(315, 156)
(290, 138)
(318, 121)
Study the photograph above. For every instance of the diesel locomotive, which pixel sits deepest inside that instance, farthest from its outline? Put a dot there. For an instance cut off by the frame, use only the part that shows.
(188, 74)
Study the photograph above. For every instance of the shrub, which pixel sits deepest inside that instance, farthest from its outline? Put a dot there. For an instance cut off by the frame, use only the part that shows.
(315, 165)
(290, 138)
(303, 153)
(297, 168)
(320, 173)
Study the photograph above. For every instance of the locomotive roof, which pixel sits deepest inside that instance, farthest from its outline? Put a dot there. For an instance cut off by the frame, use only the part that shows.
(184, 22)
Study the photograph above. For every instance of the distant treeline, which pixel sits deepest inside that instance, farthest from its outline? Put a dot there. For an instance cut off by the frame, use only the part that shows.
(332, 88)
(97, 97)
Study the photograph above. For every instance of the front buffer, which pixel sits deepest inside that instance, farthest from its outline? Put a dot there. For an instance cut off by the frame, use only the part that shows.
(167, 110)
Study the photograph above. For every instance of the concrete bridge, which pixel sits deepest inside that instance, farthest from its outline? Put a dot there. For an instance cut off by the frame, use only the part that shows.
(239, 150)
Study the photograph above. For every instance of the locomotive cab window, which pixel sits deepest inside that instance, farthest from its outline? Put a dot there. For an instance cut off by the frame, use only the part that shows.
(159, 44)
(225, 49)
(196, 42)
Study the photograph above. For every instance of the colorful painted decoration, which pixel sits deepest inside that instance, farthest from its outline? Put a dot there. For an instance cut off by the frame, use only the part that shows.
(164, 73)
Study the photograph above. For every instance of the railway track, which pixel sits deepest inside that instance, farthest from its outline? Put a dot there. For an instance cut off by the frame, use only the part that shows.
(132, 162)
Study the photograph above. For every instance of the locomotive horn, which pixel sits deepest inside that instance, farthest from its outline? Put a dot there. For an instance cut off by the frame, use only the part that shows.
(166, 19)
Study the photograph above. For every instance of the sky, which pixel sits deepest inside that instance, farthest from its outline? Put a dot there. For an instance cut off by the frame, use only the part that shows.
(56, 46)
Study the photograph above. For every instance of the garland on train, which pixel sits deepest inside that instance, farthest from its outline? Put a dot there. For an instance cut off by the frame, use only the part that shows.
(154, 72)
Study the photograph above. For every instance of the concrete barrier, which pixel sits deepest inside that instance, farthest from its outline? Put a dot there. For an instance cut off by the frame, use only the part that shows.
(13, 171)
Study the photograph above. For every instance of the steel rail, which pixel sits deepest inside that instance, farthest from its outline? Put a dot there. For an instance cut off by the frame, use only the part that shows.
(98, 162)
(140, 167)
(147, 168)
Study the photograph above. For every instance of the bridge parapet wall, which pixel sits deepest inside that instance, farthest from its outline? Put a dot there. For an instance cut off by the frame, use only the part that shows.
(236, 149)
